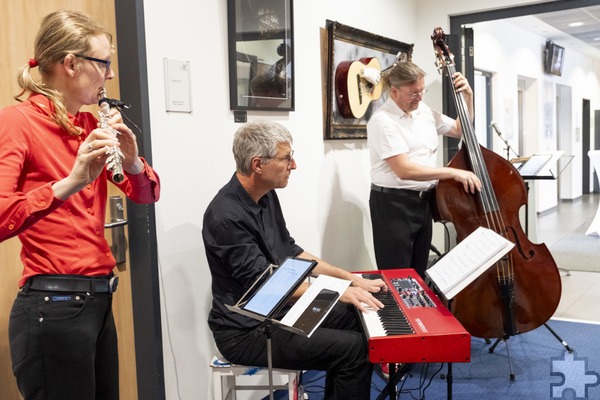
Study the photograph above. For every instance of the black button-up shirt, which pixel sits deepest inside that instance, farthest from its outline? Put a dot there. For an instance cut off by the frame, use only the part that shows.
(242, 239)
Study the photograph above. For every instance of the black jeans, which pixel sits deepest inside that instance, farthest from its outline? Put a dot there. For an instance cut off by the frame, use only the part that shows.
(64, 346)
(402, 230)
(338, 346)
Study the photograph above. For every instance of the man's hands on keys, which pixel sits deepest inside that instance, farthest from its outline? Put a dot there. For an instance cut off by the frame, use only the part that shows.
(359, 293)
(361, 299)
(370, 285)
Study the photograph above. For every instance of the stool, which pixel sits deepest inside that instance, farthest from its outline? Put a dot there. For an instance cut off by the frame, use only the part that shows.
(225, 379)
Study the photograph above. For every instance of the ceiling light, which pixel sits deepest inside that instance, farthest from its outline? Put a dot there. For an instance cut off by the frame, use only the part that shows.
(574, 24)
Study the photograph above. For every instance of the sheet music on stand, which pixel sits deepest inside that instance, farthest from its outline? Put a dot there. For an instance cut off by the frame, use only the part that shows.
(468, 260)
(542, 165)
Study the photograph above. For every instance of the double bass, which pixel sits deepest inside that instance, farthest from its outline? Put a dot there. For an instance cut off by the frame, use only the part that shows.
(522, 290)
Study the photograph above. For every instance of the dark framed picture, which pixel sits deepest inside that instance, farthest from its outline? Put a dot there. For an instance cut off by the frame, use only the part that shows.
(261, 55)
(351, 98)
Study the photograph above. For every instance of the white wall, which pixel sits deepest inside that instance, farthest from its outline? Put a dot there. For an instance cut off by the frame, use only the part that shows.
(326, 202)
(511, 53)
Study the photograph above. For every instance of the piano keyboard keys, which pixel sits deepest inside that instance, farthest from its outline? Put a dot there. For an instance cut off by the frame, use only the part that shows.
(414, 326)
(391, 316)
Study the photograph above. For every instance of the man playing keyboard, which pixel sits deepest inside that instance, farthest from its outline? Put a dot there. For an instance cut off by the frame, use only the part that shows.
(244, 232)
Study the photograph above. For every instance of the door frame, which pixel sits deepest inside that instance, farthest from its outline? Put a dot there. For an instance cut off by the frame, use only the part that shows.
(145, 282)
(458, 21)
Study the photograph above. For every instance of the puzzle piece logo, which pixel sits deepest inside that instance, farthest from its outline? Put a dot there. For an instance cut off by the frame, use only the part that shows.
(575, 376)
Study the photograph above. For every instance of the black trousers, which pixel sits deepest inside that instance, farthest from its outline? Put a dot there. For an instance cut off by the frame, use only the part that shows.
(64, 346)
(338, 346)
(402, 229)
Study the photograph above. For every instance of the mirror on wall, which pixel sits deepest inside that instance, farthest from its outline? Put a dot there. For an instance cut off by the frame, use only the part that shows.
(261, 49)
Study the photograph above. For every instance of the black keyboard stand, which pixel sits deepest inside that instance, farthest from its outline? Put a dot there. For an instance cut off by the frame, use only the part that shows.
(449, 381)
(390, 391)
(396, 375)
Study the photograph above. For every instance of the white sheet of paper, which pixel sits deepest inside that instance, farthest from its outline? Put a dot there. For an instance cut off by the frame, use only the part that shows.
(178, 85)
(469, 259)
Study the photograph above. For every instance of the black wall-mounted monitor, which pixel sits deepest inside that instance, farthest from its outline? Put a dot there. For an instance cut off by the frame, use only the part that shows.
(553, 58)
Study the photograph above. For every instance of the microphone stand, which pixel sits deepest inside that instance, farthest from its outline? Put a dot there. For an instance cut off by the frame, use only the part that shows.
(508, 147)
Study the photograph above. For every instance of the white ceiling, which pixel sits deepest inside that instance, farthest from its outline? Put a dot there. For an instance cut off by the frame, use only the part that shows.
(554, 26)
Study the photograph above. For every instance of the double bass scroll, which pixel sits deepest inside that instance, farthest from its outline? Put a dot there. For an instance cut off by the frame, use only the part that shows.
(522, 290)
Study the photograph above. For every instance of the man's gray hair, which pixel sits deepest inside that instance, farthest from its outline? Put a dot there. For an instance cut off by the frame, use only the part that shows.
(258, 139)
(403, 74)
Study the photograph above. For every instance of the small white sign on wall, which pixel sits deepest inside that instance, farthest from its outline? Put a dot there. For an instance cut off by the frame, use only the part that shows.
(178, 87)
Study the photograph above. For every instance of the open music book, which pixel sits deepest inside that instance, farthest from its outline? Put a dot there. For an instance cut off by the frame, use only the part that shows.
(468, 260)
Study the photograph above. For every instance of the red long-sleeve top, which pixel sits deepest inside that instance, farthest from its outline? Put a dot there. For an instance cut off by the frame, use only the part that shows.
(57, 237)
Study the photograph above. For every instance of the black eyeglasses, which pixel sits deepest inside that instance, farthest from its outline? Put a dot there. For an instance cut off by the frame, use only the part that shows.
(106, 63)
(287, 158)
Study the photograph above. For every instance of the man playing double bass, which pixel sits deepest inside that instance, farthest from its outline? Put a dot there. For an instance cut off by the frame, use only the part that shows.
(403, 142)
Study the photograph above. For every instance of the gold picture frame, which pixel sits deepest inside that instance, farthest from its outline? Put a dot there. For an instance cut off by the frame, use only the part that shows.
(347, 46)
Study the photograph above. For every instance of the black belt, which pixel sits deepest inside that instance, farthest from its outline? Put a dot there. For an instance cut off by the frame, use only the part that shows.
(72, 283)
(423, 194)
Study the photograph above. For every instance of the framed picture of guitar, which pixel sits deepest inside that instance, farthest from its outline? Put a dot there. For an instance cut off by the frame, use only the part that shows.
(354, 59)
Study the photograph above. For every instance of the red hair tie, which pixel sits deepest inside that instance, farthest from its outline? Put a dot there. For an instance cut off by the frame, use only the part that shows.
(33, 63)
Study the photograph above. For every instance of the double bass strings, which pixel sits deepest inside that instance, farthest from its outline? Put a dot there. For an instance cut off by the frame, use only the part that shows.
(489, 203)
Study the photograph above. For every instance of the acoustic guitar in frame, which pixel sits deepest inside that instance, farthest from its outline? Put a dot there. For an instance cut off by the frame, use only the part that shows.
(353, 91)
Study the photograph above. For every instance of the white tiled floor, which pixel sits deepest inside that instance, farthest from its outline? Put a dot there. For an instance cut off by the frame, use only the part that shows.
(580, 290)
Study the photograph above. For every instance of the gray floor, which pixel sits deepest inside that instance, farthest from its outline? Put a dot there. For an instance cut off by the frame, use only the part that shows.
(580, 290)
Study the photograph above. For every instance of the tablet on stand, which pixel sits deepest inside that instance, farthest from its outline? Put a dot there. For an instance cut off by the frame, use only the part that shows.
(271, 292)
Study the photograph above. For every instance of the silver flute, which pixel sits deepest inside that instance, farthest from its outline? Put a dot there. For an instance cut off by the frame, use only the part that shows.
(115, 156)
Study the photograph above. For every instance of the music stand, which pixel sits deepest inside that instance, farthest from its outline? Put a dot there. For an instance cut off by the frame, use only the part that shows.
(270, 293)
(540, 166)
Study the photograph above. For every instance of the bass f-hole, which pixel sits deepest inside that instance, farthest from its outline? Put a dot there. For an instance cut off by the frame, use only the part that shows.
(522, 290)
